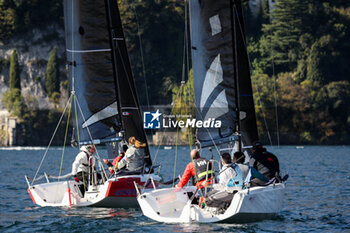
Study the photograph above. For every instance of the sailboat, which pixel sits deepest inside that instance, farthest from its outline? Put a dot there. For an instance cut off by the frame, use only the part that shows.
(223, 91)
(106, 108)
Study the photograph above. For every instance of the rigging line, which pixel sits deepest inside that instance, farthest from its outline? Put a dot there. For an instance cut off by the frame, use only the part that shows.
(263, 113)
(189, 89)
(176, 143)
(234, 20)
(141, 51)
(188, 38)
(72, 26)
(276, 108)
(274, 90)
(256, 84)
(183, 61)
(88, 130)
(76, 118)
(158, 148)
(54, 133)
(172, 110)
(65, 139)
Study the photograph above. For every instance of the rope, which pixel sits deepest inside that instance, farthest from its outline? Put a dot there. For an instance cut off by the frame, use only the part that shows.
(65, 139)
(177, 135)
(141, 51)
(274, 91)
(47, 149)
(89, 133)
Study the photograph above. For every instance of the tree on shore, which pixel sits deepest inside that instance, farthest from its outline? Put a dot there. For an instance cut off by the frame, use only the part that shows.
(13, 99)
(52, 82)
(15, 80)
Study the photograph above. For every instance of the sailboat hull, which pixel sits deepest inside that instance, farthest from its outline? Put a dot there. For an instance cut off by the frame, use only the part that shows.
(249, 205)
(116, 192)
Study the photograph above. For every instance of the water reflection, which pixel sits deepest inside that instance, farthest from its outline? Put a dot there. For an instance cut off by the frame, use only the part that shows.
(101, 213)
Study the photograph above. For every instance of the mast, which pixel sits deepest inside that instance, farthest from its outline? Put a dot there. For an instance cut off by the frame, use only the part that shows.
(235, 61)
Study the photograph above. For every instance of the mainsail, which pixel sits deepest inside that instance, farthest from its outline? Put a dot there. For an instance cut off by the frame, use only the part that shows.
(221, 71)
(100, 73)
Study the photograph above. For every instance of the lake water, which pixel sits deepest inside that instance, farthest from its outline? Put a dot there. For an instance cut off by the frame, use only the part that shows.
(317, 196)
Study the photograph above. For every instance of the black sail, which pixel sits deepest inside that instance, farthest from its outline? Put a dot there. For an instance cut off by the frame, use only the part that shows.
(129, 103)
(221, 71)
(100, 73)
(248, 127)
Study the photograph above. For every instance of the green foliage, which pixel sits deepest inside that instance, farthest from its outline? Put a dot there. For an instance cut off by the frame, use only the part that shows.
(183, 97)
(161, 27)
(15, 80)
(55, 98)
(39, 62)
(14, 102)
(52, 82)
(7, 21)
(17, 16)
(304, 44)
(307, 44)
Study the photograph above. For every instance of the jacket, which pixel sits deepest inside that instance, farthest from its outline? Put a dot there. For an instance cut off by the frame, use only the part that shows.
(133, 159)
(188, 173)
(265, 162)
(230, 178)
(82, 161)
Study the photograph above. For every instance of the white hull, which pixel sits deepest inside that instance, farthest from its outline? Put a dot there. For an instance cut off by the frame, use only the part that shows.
(257, 203)
(116, 192)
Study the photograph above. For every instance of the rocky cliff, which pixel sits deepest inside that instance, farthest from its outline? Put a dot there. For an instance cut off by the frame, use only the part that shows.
(33, 53)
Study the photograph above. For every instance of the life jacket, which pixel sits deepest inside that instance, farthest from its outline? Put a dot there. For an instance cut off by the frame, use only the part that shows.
(236, 181)
(267, 164)
(200, 168)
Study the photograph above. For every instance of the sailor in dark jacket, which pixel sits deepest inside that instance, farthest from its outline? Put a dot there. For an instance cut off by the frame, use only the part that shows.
(265, 162)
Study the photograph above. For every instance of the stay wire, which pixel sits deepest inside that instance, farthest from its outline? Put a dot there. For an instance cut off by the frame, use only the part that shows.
(47, 149)
(65, 139)
(141, 51)
(91, 138)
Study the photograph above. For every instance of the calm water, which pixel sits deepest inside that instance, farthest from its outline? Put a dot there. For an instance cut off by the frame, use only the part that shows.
(317, 197)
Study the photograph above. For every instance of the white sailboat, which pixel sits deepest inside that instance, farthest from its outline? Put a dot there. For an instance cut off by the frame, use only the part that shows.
(107, 109)
(223, 92)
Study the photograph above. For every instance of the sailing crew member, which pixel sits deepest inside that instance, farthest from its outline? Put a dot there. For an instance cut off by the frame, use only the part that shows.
(238, 159)
(265, 162)
(230, 180)
(113, 166)
(133, 160)
(83, 163)
(200, 169)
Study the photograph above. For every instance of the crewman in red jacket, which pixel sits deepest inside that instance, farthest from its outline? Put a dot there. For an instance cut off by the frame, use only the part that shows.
(200, 169)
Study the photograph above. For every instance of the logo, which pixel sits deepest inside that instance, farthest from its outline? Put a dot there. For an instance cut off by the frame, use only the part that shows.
(151, 120)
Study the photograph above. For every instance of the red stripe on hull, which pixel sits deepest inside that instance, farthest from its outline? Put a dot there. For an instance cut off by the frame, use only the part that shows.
(109, 188)
(123, 187)
(31, 196)
(70, 200)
